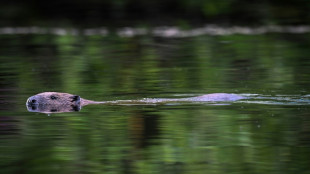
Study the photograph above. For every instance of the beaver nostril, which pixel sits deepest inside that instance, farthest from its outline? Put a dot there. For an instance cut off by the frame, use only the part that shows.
(33, 101)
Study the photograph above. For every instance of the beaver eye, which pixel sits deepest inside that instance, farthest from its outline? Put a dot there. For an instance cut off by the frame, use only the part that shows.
(53, 97)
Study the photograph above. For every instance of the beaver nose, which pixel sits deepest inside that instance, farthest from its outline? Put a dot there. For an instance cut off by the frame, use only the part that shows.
(31, 100)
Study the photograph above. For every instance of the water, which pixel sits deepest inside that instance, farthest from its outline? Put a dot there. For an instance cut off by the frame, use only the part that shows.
(268, 133)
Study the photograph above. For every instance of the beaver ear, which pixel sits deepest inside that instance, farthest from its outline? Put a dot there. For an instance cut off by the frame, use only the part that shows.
(75, 98)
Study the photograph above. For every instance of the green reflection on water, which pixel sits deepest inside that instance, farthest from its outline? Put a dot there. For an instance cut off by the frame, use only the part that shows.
(189, 138)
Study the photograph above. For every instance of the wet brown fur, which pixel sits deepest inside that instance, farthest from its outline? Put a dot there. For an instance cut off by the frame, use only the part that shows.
(58, 98)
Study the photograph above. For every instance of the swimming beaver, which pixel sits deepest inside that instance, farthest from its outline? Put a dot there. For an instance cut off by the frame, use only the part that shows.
(51, 102)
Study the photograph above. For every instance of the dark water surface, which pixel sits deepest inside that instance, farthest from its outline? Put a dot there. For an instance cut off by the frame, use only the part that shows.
(269, 133)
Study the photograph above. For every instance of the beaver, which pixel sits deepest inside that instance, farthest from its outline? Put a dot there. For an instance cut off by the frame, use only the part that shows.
(51, 102)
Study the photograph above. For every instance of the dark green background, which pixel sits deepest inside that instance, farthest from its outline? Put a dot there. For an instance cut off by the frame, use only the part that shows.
(175, 138)
(263, 137)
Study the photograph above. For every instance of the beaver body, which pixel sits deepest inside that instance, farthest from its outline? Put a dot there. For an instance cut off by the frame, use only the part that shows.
(58, 98)
(51, 102)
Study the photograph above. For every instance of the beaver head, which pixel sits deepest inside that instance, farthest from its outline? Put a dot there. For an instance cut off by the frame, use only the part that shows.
(54, 98)
(49, 102)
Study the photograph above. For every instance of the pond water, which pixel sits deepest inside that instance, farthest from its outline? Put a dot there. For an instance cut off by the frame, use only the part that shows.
(267, 133)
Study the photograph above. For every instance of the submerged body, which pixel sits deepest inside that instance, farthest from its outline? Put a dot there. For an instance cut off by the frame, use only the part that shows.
(51, 102)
